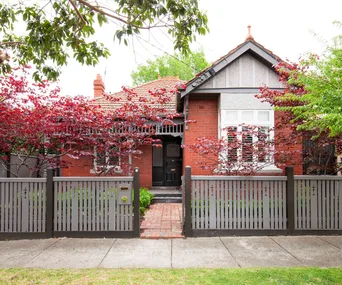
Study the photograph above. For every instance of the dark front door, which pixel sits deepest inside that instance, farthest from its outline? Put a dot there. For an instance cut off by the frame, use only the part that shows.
(167, 163)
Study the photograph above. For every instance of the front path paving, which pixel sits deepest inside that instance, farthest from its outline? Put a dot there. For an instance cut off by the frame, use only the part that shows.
(162, 220)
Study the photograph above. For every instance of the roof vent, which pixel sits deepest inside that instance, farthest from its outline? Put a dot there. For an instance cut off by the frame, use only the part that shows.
(249, 35)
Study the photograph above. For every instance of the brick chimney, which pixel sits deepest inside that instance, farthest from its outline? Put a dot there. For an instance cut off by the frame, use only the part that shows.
(99, 87)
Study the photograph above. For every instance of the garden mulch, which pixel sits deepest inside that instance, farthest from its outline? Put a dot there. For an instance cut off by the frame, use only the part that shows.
(161, 221)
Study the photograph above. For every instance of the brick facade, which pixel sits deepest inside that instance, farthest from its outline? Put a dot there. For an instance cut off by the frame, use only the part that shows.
(144, 162)
(205, 113)
(295, 159)
(84, 166)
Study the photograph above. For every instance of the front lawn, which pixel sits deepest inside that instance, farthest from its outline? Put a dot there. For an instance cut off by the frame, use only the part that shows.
(173, 276)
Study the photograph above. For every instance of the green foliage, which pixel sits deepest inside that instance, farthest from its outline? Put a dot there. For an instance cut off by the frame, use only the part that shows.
(55, 30)
(183, 66)
(145, 199)
(322, 100)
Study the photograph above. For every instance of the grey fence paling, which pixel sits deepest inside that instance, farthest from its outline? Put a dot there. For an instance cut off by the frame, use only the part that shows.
(318, 202)
(92, 204)
(22, 205)
(238, 202)
(221, 205)
(69, 206)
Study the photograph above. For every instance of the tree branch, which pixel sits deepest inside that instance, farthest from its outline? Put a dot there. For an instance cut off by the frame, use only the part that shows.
(99, 10)
(78, 14)
(11, 43)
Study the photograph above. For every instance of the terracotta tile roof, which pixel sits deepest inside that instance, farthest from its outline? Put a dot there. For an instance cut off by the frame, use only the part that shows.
(169, 82)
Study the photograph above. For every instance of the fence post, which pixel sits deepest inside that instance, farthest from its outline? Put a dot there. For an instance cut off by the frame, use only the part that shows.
(290, 200)
(136, 205)
(187, 222)
(49, 202)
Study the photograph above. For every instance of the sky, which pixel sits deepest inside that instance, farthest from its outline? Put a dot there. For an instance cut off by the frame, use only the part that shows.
(288, 28)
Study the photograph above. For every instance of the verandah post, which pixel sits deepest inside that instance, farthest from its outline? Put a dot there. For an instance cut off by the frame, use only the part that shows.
(136, 204)
(49, 202)
(290, 200)
(187, 223)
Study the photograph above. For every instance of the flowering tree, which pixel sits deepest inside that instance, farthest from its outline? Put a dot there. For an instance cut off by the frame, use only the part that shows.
(37, 122)
(237, 152)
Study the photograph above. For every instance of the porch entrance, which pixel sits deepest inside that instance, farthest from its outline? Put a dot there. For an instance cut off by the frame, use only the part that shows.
(167, 163)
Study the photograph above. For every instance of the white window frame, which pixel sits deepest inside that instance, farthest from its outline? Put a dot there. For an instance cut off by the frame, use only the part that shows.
(117, 167)
(239, 121)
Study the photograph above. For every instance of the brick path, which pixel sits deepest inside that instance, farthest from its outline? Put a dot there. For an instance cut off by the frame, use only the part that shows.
(162, 220)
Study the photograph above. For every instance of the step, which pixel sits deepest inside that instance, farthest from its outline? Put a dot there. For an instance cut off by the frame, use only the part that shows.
(166, 194)
(167, 200)
(165, 188)
(158, 193)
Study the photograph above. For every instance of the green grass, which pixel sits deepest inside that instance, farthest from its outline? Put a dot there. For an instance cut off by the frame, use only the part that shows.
(173, 276)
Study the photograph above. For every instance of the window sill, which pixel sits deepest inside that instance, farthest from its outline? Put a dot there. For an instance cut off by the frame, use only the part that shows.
(116, 169)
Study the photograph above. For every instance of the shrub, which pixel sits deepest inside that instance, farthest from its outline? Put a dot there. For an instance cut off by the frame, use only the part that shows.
(145, 199)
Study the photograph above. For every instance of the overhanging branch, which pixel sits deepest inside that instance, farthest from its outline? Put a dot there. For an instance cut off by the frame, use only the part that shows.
(101, 11)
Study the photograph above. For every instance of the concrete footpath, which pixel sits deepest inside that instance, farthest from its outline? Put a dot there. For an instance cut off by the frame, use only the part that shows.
(233, 252)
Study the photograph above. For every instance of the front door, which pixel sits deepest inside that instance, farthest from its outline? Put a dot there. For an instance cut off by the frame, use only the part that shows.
(167, 163)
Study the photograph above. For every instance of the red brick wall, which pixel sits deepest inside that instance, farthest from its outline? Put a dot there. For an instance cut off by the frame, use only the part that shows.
(84, 165)
(295, 158)
(78, 167)
(144, 162)
(205, 112)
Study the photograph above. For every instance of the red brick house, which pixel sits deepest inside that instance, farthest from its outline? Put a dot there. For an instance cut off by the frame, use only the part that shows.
(158, 166)
(221, 95)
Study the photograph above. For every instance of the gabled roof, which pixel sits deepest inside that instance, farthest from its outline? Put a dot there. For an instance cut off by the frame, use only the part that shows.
(248, 46)
(169, 82)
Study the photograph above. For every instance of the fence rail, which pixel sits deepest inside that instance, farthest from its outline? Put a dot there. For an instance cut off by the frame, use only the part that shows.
(69, 206)
(217, 205)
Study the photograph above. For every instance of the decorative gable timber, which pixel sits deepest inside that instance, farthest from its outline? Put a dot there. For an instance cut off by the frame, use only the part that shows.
(235, 70)
(244, 72)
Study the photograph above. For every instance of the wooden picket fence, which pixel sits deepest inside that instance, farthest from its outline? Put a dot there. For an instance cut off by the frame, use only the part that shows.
(22, 205)
(238, 202)
(262, 205)
(318, 202)
(92, 204)
(69, 206)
